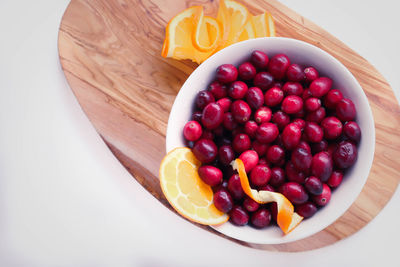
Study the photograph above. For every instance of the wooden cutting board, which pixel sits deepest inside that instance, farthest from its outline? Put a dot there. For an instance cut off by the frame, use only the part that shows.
(110, 53)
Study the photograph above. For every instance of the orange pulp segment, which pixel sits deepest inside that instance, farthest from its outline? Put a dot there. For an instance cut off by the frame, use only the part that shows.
(207, 34)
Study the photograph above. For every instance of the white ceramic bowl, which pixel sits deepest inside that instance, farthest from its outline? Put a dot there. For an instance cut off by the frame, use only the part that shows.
(306, 55)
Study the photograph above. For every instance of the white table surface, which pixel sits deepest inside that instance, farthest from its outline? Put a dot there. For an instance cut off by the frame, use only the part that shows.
(66, 201)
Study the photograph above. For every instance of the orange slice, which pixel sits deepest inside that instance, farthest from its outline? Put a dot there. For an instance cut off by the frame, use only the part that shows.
(207, 34)
(248, 32)
(287, 219)
(263, 25)
(184, 189)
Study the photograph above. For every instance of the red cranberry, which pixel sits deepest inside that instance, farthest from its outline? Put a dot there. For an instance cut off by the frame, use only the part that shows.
(255, 97)
(207, 134)
(241, 142)
(210, 175)
(250, 205)
(306, 94)
(196, 116)
(301, 159)
(241, 111)
(345, 154)
(335, 179)
(275, 154)
(324, 198)
(204, 98)
(292, 88)
(259, 59)
(229, 122)
(225, 104)
(312, 104)
(331, 149)
(278, 65)
(260, 175)
(266, 187)
(250, 159)
(277, 176)
(262, 115)
(263, 80)
(313, 185)
(247, 71)
(310, 74)
(295, 73)
(237, 90)
(277, 84)
(262, 161)
(250, 128)
(212, 116)
(320, 146)
(294, 192)
(223, 200)
(321, 166)
(192, 130)
(273, 97)
(316, 116)
(281, 119)
(320, 86)
(274, 210)
(261, 218)
(293, 174)
(226, 155)
(304, 145)
(235, 187)
(300, 122)
(332, 98)
(239, 216)
(292, 104)
(223, 185)
(345, 110)
(260, 148)
(291, 136)
(218, 90)
(205, 150)
(267, 132)
(313, 132)
(307, 209)
(227, 73)
(332, 127)
(352, 131)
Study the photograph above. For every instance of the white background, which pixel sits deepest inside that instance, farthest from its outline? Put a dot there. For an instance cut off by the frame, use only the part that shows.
(66, 201)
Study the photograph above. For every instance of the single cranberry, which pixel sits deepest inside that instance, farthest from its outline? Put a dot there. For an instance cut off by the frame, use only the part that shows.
(293, 174)
(237, 90)
(267, 132)
(247, 71)
(332, 127)
(225, 104)
(300, 122)
(259, 59)
(292, 104)
(204, 98)
(313, 185)
(291, 136)
(320, 146)
(223, 185)
(331, 149)
(263, 80)
(320, 86)
(306, 94)
(227, 73)
(196, 116)
(213, 116)
(250, 205)
(275, 154)
(226, 155)
(307, 209)
(263, 114)
(301, 159)
(304, 145)
(278, 65)
(260, 175)
(335, 179)
(313, 132)
(250, 128)
(250, 159)
(295, 73)
(241, 111)
(345, 154)
(205, 150)
(277, 84)
(274, 211)
(218, 90)
(260, 148)
(324, 198)
(332, 98)
(255, 97)
(311, 74)
(281, 119)
(322, 166)
(229, 122)
(241, 142)
(317, 115)
(192, 131)
(266, 187)
(292, 88)
(239, 216)
(345, 110)
(312, 104)
(235, 187)
(294, 192)
(210, 175)
(223, 200)
(224, 141)
(277, 176)
(273, 97)
(207, 134)
(261, 218)
(352, 131)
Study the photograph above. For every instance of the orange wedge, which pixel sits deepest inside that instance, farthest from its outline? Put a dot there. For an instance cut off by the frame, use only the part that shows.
(248, 32)
(263, 25)
(207, 34)
(184, 189)
(287, 219)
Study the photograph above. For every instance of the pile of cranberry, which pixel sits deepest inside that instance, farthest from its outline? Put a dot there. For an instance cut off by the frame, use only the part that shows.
(294, 133)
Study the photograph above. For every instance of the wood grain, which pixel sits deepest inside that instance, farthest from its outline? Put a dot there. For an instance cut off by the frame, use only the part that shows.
(110, 53)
